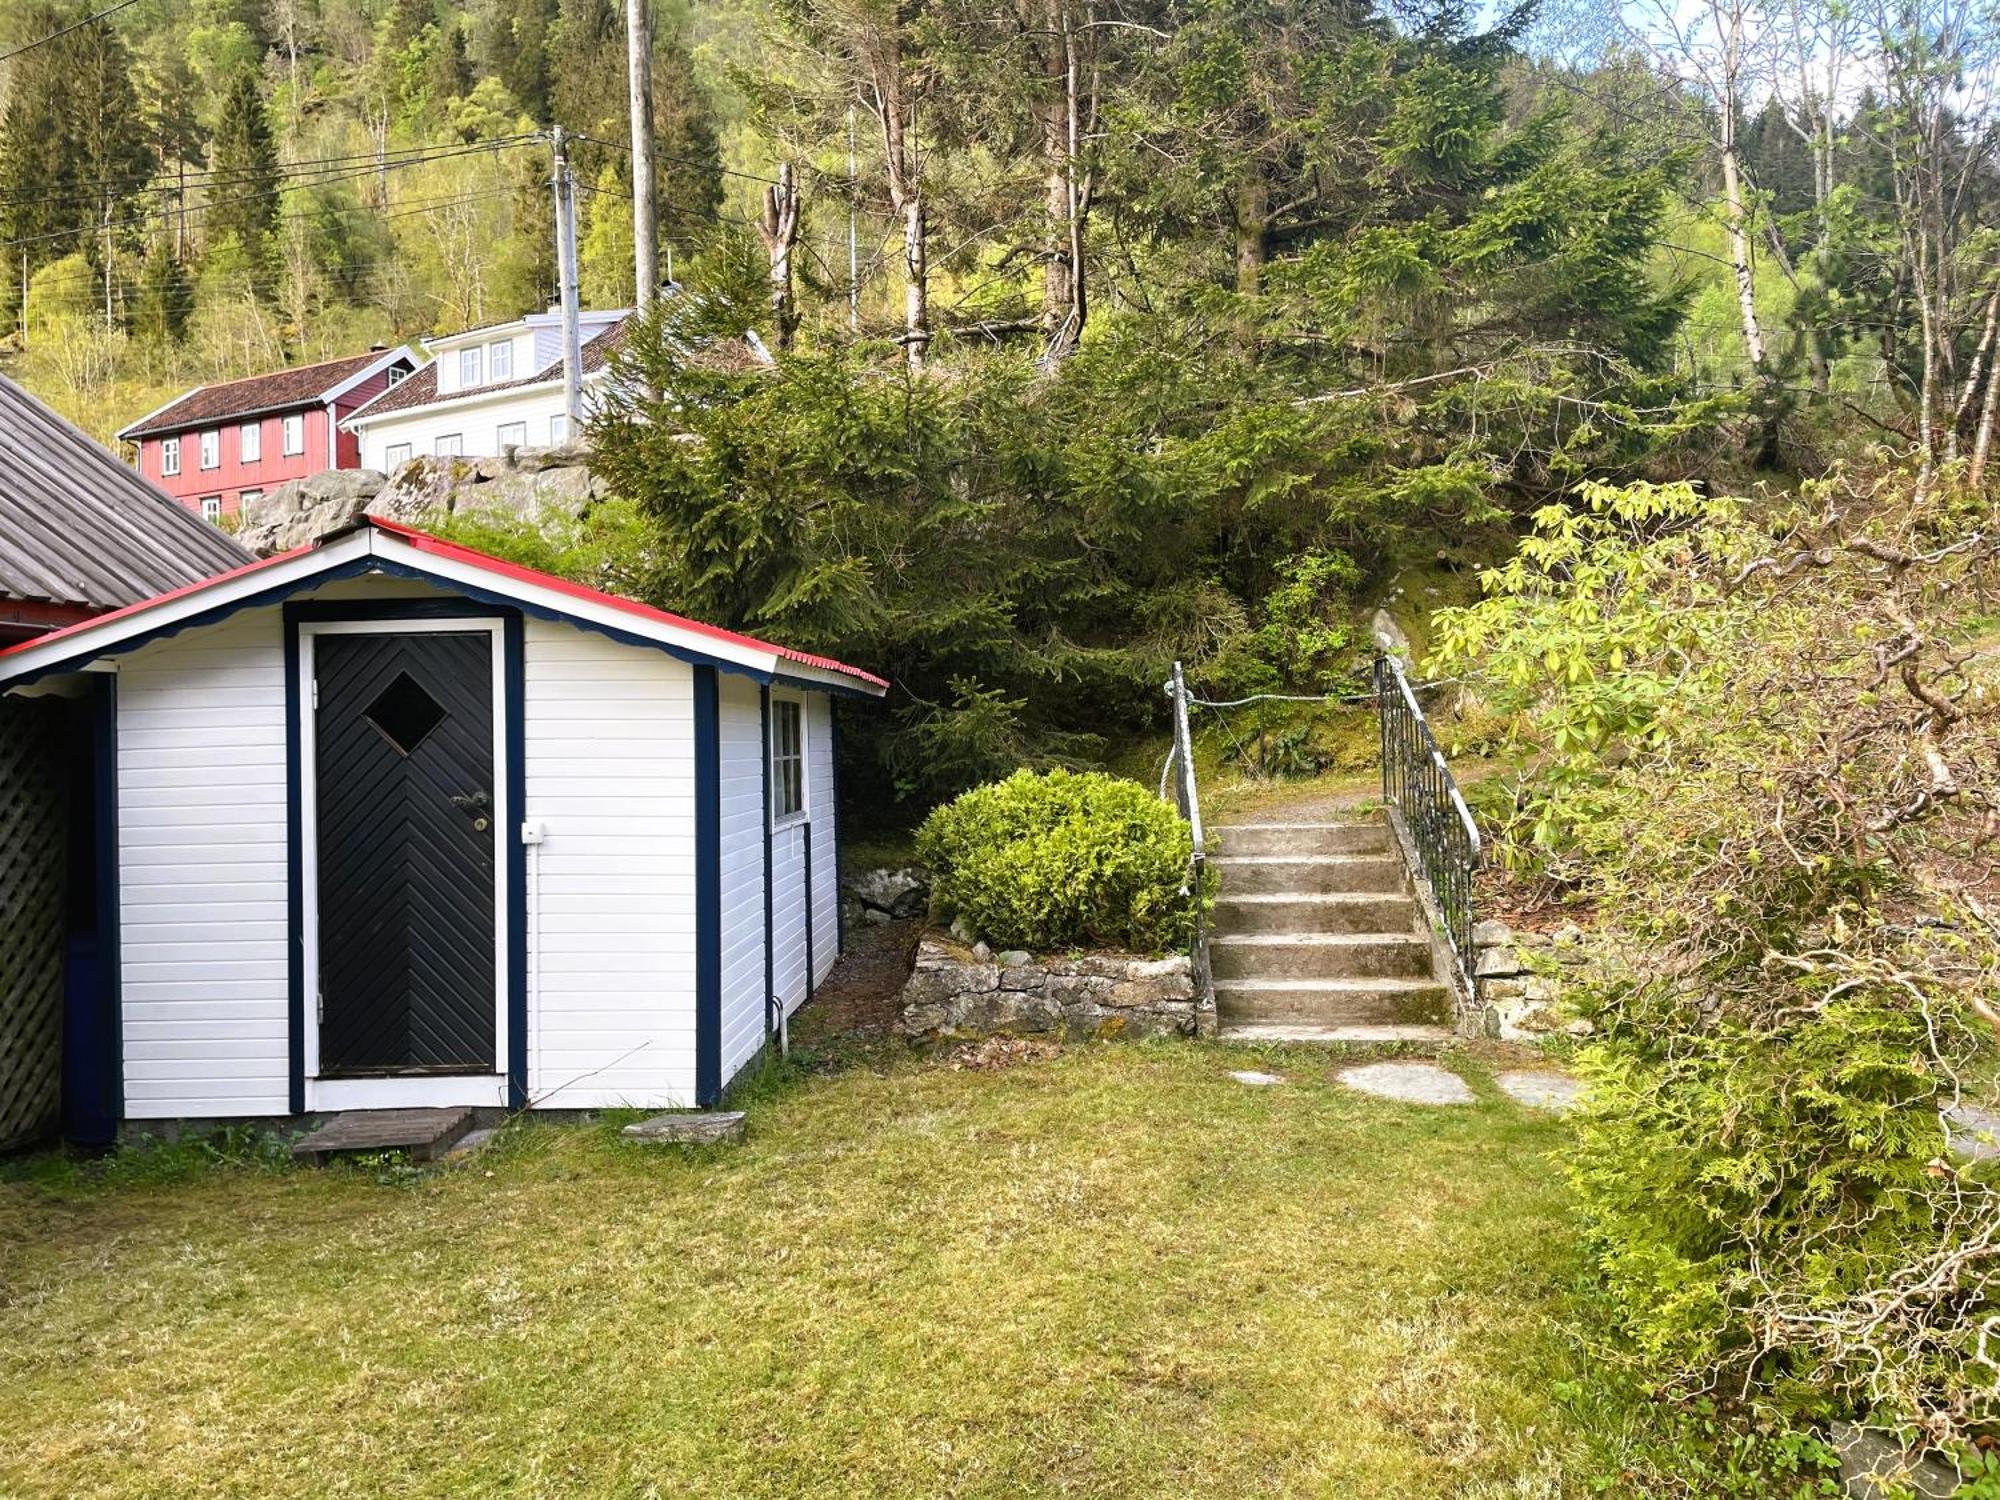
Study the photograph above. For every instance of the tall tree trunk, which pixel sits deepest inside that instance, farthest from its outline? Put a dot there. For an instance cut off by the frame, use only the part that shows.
(1970, 387)
(1070, 115)
(1253, 206)
(1739, 245)
(898, 113)
(1982, 446)
(779, 229)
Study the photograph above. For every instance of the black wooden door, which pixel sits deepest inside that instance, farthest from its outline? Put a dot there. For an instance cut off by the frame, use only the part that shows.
(406, 809)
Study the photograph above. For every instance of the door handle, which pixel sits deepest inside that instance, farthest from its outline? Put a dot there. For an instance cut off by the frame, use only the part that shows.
(466, 803)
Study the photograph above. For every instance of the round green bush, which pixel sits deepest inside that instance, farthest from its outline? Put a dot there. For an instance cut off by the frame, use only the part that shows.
(1062, 860)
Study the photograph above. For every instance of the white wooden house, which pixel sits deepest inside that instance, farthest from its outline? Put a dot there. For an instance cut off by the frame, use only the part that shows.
(388, 822)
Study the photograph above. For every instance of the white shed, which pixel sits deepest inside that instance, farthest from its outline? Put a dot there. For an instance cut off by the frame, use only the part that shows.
(387, 822)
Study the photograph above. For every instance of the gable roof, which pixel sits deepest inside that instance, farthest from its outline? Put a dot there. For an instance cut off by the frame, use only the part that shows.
(421, 388)
(77, 527)
(373, 545)
(279, 390)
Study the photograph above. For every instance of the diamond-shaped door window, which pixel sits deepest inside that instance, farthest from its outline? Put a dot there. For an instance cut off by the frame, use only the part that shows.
(405, 714)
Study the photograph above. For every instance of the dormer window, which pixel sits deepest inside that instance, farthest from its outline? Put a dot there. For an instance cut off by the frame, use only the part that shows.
(468, 366)
(500, 360)
(396, 374)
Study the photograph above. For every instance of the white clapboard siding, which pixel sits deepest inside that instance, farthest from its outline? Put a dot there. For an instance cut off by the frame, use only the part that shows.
(740, 734)
(609, 763)
(825, 835)
(201, 856)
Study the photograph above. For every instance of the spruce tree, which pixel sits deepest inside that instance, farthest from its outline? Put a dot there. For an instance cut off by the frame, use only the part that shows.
(166, 297)
(244, 198)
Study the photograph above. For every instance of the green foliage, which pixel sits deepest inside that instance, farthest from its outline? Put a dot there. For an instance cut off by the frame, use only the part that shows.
(1062, 860)
(1772, 829)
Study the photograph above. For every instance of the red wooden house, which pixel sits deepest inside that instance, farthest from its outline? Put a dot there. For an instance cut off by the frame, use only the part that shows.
(217, 447)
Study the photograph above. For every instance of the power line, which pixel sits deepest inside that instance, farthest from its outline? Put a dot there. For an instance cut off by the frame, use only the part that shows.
(58, 35)
(685, 161)
(326, 180)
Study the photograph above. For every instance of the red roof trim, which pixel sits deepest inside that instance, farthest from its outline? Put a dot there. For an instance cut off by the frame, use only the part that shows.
(424, 542)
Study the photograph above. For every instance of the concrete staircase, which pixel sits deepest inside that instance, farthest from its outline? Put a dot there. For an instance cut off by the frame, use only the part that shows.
(1318, 939)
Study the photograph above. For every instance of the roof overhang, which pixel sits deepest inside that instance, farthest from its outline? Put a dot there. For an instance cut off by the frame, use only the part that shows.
(402, 352)
(364, 416)
(375, 546)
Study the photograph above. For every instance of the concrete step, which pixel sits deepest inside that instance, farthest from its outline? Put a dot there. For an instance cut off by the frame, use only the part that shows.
(1348, 1035)
(1343, 912)
(1309, 874)
(1356, 837)
(1332, 1002)
(1318, 955)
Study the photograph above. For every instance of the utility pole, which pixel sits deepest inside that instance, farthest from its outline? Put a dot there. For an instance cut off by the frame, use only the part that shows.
(564, 182)
(853, 234)
(645, 200)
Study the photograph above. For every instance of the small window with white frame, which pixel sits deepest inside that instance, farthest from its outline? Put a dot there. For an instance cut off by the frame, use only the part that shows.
(170, 455)
(397, 374)
(247, 498)
(512, 435)
(395, 455)
(450, 445)
(295, 434)
(211, 449)
(558, 429)
(500, 360)
(788, 760)
(468, 366)
(211, 508)
(250, 442)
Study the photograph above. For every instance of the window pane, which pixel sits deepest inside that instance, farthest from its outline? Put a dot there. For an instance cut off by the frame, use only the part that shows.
(500, 363)
(468, 367)
(170, 456)
(559, 429)
(513, 435)
(396, 455)
(250, 442)
(211, 450)
(295, 434)
(450, 445)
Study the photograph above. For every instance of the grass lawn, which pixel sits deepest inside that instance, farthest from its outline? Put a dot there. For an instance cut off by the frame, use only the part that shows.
(1114, 1273)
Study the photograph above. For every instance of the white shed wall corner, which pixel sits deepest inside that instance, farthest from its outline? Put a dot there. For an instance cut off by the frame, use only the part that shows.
(202, 893)
(825, 835)
(609, 763)
(740, 732)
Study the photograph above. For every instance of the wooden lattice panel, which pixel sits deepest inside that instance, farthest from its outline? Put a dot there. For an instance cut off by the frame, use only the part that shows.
(32, 845)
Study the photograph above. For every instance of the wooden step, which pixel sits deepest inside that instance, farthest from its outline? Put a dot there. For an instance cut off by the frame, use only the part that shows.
(425, 1133)
(1308, 874)
(1354, 837)
(1333, 1002)
(1343, 912)
(1269, 1031)
(1310, 955)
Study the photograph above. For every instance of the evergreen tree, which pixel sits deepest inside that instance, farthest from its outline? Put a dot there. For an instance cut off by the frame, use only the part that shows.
(166, 297)
(243, 203)
(447, 70)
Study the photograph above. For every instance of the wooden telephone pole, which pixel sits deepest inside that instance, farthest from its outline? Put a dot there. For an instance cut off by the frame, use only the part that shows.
(645, 204)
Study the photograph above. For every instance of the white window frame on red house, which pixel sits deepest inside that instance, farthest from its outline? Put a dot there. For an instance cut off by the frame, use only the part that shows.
(211, 509)
(244, 497)
(170, 455)
(211, 449)
(250, 443)
(295, 434)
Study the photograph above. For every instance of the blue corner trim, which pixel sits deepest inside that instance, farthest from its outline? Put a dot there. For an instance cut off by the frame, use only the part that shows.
(295, 925)
(93, 1065)
(812, 970)
(707, 889)
(515, 674)
(771, 1000)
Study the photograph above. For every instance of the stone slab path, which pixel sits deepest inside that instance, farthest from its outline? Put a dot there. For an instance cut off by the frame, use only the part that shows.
(1256, 1080)
(1555, 1092)
(1409, 1082)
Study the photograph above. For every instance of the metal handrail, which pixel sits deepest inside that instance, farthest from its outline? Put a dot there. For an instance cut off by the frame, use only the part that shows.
(1179, 770)
(1418, 783)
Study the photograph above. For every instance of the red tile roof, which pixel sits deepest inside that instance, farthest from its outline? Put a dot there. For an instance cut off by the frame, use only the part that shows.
(206, 405)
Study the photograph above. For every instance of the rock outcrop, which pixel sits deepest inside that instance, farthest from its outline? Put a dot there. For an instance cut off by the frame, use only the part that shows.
(523, 483)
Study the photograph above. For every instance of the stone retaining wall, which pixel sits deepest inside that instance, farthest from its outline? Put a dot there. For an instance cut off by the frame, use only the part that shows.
(1518, 979)
(958, 993)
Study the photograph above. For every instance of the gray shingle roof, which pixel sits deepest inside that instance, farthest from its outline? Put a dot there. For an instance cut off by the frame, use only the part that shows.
(78, 527)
